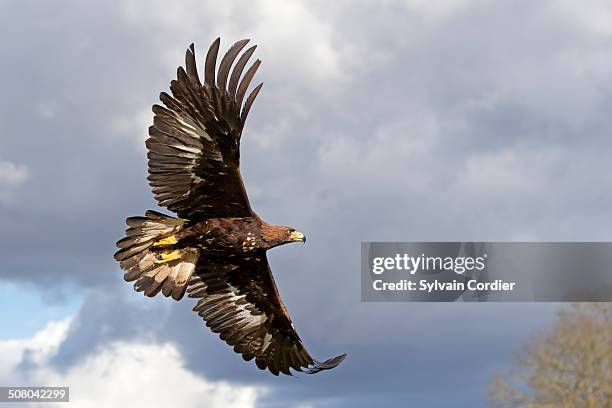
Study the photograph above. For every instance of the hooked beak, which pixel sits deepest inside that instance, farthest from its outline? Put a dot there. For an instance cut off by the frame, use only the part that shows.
(297, 236)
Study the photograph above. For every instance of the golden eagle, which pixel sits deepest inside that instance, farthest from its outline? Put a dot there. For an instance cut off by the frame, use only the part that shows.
(216, 250)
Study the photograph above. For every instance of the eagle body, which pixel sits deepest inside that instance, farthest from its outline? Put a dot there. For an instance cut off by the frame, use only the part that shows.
(235, 236)
(215, 249)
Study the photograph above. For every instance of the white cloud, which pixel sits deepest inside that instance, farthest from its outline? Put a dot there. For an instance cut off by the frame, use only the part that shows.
(39, 347)
(594, 16)
(11, 176)
(396, 150)
(436, 10)
(47, 109)
(297, 43)
(505, 173)
(134, 374)
(132, 125)
(305, 50)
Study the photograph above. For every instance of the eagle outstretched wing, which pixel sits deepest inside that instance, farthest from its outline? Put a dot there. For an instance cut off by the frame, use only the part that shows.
(194, 143)
(240, 301)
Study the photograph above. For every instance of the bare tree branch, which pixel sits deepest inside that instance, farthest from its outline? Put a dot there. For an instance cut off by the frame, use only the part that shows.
(569, 366)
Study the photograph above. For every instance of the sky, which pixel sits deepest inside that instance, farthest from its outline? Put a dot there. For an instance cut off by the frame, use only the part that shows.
(407, 120)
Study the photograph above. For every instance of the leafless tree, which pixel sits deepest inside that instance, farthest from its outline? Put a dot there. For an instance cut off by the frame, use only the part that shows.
(567, 367)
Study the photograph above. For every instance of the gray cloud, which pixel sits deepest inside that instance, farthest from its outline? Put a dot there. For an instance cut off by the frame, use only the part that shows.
(463, 120)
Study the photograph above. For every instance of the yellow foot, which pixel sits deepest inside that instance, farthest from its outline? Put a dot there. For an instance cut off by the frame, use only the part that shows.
(168, 241)
(167, 256)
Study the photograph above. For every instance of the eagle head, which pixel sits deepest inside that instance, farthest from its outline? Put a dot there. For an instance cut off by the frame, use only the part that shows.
(295, 236)
(275, 235)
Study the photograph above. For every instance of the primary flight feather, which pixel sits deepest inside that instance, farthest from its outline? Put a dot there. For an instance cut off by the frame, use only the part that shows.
(216, 250)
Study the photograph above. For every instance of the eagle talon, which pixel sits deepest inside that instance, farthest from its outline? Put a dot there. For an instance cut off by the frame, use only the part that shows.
(168, 241)
(167, 256)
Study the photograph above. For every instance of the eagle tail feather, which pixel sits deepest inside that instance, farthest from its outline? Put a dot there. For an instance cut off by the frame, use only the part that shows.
(150, 256)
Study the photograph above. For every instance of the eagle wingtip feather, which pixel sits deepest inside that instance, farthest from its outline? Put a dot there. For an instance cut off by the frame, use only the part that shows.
(325, 365)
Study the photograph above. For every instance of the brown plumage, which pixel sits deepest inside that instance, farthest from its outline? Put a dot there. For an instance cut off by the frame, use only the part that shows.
(216, 250)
